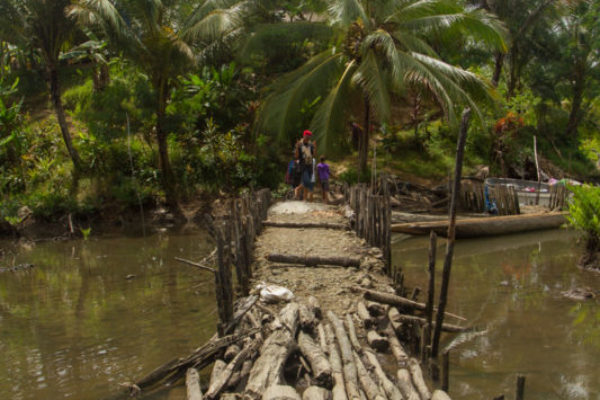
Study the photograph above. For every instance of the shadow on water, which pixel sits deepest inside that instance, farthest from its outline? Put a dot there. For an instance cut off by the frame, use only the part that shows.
(511, 288)
(93, 314)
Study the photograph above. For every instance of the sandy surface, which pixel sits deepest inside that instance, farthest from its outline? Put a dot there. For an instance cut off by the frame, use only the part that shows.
(335, 287)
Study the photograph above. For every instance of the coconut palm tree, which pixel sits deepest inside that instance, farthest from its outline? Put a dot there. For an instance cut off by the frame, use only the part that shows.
(164, 38)
(381, 53)
(42, 26)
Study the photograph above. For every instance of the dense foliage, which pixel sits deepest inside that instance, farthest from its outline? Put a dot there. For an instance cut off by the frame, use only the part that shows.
(106, 103)
(584, 215)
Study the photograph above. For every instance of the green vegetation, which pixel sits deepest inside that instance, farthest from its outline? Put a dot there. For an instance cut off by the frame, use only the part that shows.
(584, 215)
(106, 104)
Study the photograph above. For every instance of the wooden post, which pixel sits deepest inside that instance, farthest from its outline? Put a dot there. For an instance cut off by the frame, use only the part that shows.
(460, 149)
(431, 285)
(445, 370)
(537, 168)
(223, 286)
(520, 387)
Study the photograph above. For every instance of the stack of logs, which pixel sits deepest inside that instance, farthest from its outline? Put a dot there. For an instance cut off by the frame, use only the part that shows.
(300, 350)
(372, 218)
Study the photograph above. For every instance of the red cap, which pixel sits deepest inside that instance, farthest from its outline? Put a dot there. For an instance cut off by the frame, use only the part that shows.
(307, 133)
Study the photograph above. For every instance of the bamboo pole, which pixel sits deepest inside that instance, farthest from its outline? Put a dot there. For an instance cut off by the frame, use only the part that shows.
(430, 286)
(460, 148)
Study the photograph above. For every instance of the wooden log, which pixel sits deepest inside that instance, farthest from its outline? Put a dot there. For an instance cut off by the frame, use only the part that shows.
(440, 395)
(218, 368)
(397, 317)
(316, 393)
(231, 352)
(307, 319)
(338, 391)
(350, 373)
(417, 378)
(406, 386)
(446, 370)
(376, 309)
(393, 315)
(322, 338)
(192, 383)
(222, 381)
(320, 366)
(280, 392)
(368, 385)
(352, 334)
(399, 301)
(311, 261)
(364, 315)
(315, 306)
(391, 391)
(307, 225)
(396, 347)
(267, 369)
(377, 342)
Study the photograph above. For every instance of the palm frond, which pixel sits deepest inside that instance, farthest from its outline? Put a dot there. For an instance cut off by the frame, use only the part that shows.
(344, 12)
(303, 85)
(370, 76)
(329, 120)
(215, 24)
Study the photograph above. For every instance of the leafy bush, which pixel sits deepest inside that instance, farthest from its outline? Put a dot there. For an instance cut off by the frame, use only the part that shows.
(584, 215)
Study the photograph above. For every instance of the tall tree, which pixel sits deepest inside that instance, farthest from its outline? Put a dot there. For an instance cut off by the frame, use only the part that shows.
(380, 53)
(165, 38)
(42, 25)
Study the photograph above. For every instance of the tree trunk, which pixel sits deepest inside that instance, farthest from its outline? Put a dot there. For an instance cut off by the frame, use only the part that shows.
(167, 176)
(499, 60)
(513, 60)
(60, 115)
(574, 115)
(363, 143)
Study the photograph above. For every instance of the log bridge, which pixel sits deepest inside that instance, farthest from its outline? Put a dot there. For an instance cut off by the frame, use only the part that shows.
(351, 331)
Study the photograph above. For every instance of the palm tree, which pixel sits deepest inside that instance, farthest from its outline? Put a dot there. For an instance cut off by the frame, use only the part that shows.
(381, 53)
(43, 26)
(165, 38)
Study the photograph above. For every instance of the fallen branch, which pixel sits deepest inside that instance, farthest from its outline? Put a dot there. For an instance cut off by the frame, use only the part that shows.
(311, 261)
(321, 225)
(197, 265)
(397, 317)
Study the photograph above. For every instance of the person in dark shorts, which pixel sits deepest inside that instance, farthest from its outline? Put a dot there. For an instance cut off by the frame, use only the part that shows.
(323, 172)
(305, 153)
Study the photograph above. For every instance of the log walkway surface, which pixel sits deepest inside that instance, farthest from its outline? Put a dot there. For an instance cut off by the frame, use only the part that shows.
(350, 331)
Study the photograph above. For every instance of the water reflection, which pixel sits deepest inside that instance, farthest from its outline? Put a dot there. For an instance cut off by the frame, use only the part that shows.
(75, 326)
(511, 286)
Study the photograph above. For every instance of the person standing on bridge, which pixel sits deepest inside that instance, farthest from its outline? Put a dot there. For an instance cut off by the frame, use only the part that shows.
(305, 153)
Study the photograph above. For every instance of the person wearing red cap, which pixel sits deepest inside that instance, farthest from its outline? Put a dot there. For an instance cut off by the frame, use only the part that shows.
(305, 154)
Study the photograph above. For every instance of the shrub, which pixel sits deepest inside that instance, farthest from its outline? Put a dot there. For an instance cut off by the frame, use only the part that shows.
(584, 215)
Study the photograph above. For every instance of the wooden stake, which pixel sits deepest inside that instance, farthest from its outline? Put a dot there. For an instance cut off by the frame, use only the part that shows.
(445, 370)
(520, 387)
(460, 149)
(431, 285)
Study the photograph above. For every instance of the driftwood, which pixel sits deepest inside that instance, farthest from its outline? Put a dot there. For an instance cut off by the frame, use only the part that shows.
(322, 338)
(315, 306)
(338, 391)
(323, 225)
(396, 347)
(352, 335)
(364, 315)
(320, 366)
(267, 369)
(280, 392)
(399, 301)
(440, 395)
(391, 391)
(221, 382)
(217, 369)
(316, 393)
(192, 383)
(199, 359)
(306, 318)
(350, 373)
(377, 341)
(397, 317)
(311, 261)
(417, 378)
(369, 387)
(406, 386)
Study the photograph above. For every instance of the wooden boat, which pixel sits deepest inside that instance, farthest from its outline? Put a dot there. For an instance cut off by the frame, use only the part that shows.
(486, 226)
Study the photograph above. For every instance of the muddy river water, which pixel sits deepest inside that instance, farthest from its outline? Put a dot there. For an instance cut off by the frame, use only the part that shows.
(95, 313)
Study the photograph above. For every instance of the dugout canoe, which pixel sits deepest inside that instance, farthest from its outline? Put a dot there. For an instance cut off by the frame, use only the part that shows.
(486, 226)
